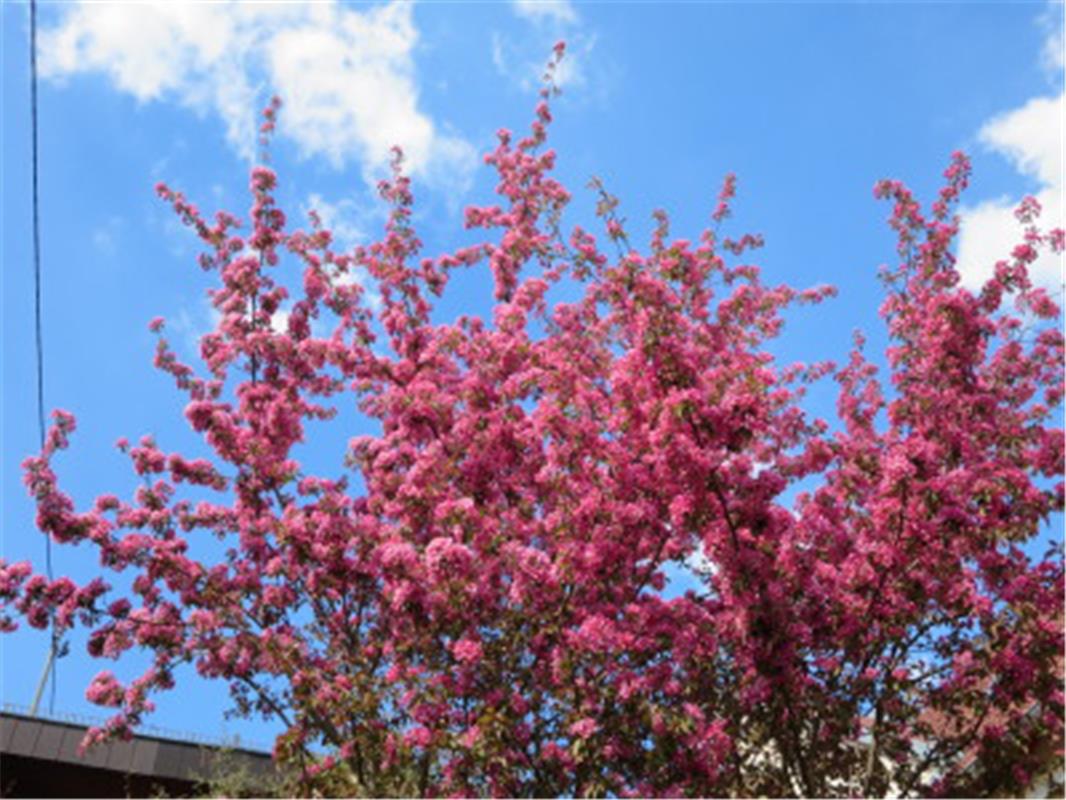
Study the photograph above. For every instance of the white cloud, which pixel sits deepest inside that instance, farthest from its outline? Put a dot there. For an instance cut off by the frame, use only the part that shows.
(1053, 54)
(1030, 137)
(347, 76)
(349, 86)
(698, 563)
(106, 237)
(191, 325)
(499, 60)
(279, 321)
(522, 60)
(558, 11)
(347, 221)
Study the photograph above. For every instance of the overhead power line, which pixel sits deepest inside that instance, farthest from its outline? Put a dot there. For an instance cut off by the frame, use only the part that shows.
(50, 661)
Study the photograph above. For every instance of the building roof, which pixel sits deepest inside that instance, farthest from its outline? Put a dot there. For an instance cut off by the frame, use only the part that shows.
(28, 745)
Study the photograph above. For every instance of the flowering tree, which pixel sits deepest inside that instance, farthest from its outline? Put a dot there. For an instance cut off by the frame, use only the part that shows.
(474, 604)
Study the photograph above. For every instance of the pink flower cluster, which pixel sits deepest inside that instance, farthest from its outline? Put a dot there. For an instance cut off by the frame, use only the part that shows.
(479, 607)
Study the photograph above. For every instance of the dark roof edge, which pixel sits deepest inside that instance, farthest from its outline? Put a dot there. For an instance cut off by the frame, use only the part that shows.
(46, 720)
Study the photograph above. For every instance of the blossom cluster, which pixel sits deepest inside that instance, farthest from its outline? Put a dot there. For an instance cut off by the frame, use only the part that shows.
(486, 615)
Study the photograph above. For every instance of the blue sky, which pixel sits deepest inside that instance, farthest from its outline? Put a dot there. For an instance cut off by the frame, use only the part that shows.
(808, 103)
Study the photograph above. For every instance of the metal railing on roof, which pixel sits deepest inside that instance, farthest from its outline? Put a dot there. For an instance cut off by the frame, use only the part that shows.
(236, 741)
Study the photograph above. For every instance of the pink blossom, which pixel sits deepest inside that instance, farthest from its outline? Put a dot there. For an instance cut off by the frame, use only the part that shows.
(584, 728)
(485, 570)
(418, 737)
(467, 651)
(105, 690)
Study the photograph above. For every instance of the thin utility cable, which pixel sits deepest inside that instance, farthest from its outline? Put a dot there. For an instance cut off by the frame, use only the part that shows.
(50, 663)
(36, 232)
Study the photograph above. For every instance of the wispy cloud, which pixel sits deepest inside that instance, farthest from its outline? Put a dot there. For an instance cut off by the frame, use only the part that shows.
(521, 59)
(1053, 54)
(1030, 138)
(698, 563)
(346, 219)
(190, 325)
(347, 75)
(349, 222)
(541, 10)
(106, 237)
